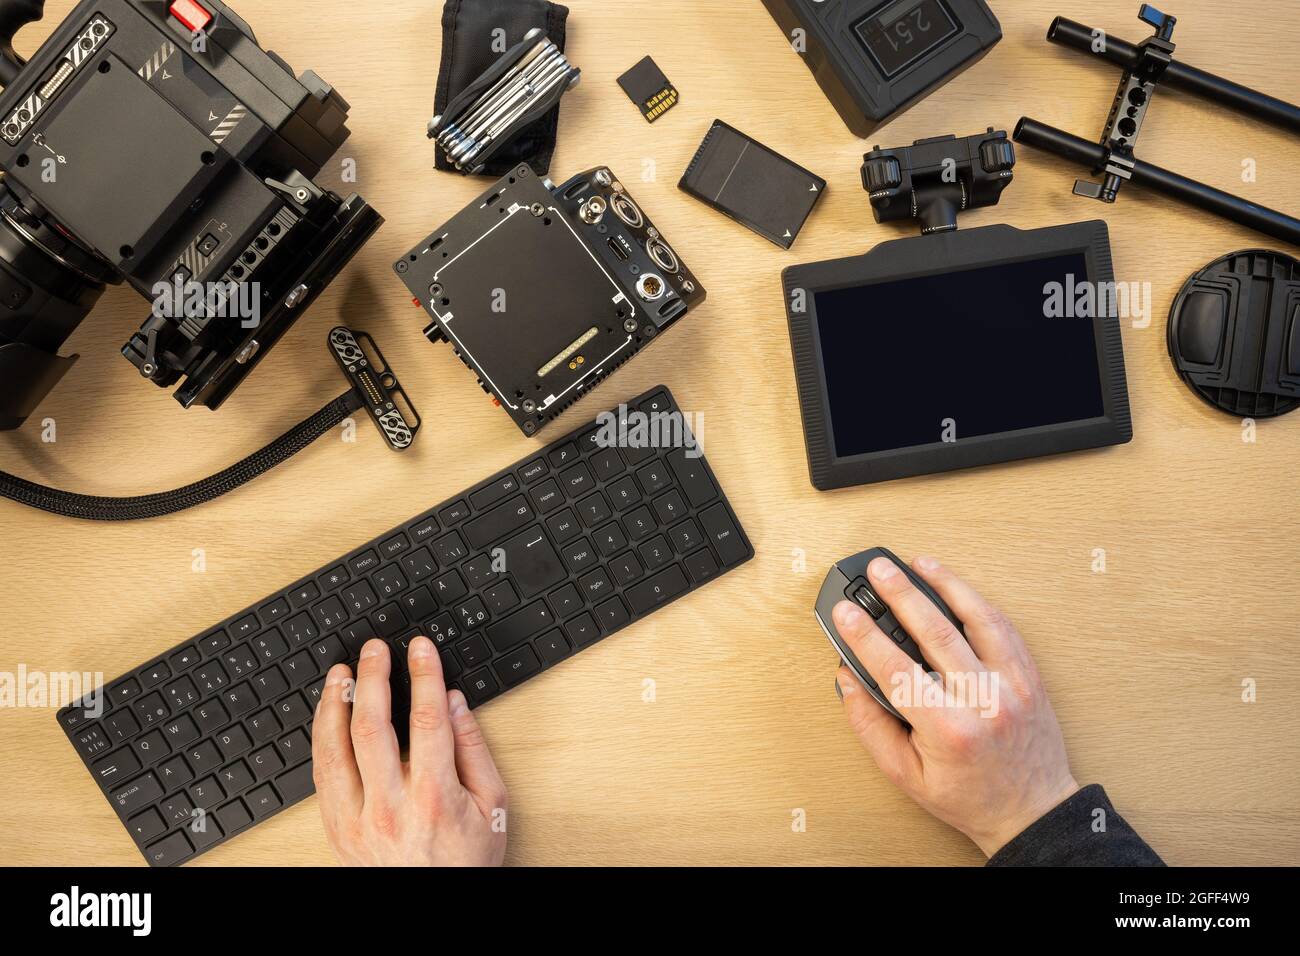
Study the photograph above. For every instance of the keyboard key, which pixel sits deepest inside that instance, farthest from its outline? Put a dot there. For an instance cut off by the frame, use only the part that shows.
(182, 693)
(359, 598)
(155, 675)
(419, 565)
(653, 478)
(389, 582)
(262, 801)
(333, 578)
(626, 569)
(293, 710)
(500, 598)
(547, 496)
(593, 509)
(669, 507)
(612, 615)
(656, 589)
(180, 731)
(418, 605)
(454, 514)
(210, 715)
(533, 470)
(564, 455)
(655, 553)
(269, 684)
(623, 494)
(203, 757)
(577, 481)
(211, 677)
(442, 629)
(494, 492)
(303, 595)
(299, 630)
(116, 766)
(394, 546)
(427, 528)
(184, 659)
(246, 626)
(518, 627)
(502, 520)
(517, 665)
(120, 726)
(145, 826)
(701, 566)
(275, 611)
(270, 645)
(364, 563)
(640, 523)
(174, 772)
(563, 526)
(178, 809)
(471, 613)
(479, 687)
(213, 642)
(596, 586)
(136, 794)
(233, 816)
(241, 661)
(150, 709)
(388, 621)
(294, 747)
(233, 742)
(449, 587)
(582, 630)
(169, 850)
(686, 536)
(449, 549)
(692, 477)
(206, 793)
(473, 651)
(532, 562)
(266, 762)
(579, 556)
(722, 532)
(607, 464)
(297, 783)
(92, 740)
(235, 777)
(330, 613)
(565, 601)
(238, 699)
(552, 647)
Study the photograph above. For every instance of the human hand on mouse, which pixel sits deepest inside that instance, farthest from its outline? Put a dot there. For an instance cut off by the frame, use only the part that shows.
(990, 767)
(445, 807)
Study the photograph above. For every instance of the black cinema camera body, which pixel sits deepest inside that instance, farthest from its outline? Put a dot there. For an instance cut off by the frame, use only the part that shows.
(156, 142)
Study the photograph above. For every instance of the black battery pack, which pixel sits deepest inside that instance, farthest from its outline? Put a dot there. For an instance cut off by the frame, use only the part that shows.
(754, 185)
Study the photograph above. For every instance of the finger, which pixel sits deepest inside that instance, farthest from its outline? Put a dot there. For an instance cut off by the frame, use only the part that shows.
(373, 739)
(334, 765)
(883, 659)
(941, 644)
(987, 629)
(478, 771)
(885, 738)
(432, 751)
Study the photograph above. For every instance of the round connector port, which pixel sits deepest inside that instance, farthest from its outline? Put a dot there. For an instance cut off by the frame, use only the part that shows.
(650, 287)
(593, 210)
(663, 256)
(626, 210)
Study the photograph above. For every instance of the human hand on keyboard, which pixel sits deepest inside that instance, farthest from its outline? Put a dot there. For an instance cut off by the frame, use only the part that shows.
(445, 807)
(990, 764)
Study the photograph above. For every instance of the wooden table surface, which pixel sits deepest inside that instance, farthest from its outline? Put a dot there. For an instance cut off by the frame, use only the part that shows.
(1145, 662)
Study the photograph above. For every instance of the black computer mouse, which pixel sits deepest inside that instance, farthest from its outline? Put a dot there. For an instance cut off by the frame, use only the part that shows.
(847, 580)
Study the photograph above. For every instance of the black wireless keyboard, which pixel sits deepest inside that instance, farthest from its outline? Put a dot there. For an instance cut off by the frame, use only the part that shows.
(213, 736)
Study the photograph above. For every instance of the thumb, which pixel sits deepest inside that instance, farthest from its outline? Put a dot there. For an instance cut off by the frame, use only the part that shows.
(881, 734)
(474, 764)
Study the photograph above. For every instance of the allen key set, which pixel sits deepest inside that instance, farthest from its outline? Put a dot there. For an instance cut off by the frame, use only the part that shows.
(521, 87)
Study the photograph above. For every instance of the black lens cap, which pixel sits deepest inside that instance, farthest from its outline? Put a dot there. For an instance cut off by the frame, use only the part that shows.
(1234, 333)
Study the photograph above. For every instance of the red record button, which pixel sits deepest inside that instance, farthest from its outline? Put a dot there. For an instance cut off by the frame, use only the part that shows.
(191, 13)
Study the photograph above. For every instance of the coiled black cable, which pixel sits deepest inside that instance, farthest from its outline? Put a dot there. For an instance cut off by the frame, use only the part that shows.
(96, 508)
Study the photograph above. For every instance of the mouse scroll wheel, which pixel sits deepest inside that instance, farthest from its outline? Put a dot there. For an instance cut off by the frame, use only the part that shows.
(864, 596)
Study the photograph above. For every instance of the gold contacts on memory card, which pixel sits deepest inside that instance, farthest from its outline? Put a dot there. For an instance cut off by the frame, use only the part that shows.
(647, 87)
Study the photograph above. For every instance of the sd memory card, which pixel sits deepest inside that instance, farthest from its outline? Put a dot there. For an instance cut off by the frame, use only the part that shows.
(647, 87)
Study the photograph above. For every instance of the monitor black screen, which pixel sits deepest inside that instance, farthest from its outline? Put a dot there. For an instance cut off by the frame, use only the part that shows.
(957, 355)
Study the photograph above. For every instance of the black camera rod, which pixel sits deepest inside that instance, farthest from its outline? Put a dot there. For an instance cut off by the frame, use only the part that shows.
(1097, 157)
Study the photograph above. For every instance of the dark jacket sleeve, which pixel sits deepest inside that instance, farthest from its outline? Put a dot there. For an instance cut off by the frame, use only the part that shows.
(1075, 834)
